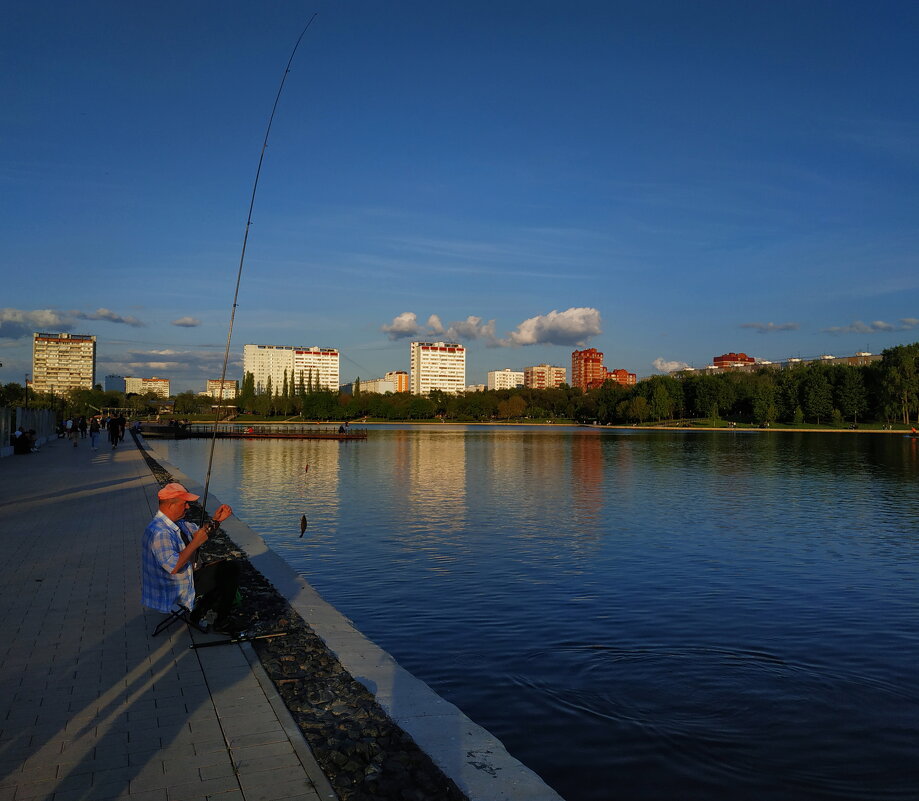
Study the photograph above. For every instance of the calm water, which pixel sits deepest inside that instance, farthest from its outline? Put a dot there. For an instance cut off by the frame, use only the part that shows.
(635, 615)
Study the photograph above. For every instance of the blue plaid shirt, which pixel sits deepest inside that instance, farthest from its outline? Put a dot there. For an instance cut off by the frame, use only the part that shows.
(162, 543)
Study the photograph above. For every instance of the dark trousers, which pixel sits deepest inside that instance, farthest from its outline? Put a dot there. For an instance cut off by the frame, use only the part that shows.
(215, 586)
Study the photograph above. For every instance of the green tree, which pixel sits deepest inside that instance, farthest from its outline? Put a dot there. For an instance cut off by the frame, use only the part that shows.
(900, 379)
(712, 395)
(638, 409)
(512, 408)
(186, 403)
(788, 393)
(246, 398)
(818, 395)
(284, 399)
(850, 393)
(661, 404)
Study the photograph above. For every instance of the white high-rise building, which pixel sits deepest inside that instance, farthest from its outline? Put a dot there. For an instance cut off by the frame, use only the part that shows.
(437, 365)
(142, 386)
(316, 366)
(504, 379)
(61, 362)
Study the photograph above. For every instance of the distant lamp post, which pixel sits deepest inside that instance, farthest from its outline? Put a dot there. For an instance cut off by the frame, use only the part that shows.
(27, 390)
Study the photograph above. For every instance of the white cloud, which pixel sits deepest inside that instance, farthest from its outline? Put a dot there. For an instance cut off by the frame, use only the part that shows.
(472, 328)
(406, 325)
(570, 327)
(768, 328)
(168, 362)
(187, 322)
(19, 323)
(664, 366)
(109, 316)
(403, 326)
(876, 327)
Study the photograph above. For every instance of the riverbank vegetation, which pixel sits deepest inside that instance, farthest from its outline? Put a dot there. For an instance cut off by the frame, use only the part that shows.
(881, 394)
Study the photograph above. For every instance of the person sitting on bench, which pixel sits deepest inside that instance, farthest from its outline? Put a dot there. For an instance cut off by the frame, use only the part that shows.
(169, 578)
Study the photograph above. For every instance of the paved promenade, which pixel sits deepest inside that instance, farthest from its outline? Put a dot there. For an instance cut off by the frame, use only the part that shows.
(92, 707)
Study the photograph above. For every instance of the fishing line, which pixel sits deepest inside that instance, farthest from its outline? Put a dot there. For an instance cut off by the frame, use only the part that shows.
(239, 273)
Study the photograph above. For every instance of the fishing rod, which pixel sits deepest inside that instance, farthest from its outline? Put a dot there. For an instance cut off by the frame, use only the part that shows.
(239, 272)
(240, 638)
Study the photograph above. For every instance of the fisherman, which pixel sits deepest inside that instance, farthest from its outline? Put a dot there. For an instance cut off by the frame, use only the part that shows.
(168, 554)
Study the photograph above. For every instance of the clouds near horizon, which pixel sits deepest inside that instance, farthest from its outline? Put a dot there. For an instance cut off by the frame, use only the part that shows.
(20, 323)
(876, 327)
(769, 328)
(205, 363)
(570, 327)
(573, 326)
(665, 366)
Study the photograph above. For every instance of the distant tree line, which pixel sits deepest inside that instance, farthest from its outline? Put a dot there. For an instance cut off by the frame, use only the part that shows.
(885, 391)
(816, 392)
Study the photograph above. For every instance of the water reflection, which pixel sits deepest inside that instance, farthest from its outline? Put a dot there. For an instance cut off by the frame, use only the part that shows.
(434, 475)
(587, 479)
(306, 471)
(707, 615)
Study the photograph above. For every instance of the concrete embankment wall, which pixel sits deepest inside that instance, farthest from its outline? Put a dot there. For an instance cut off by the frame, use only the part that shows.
(471, 756)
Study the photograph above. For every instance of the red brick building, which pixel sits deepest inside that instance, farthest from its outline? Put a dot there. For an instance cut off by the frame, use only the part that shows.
(588, 372)
(727, 360)
(587, 367)
(623, 377)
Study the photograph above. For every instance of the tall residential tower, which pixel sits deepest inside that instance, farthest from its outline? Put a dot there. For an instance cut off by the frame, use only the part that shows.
(316, 367)
(62, 362)
(437, 365)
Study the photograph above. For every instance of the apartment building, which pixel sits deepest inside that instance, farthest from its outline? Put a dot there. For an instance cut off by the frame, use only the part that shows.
(379, 385)
(623, 377)
(588, 371)
(222, 390)
(543, 376)
(729, 360)
(504, 379)
(437, 365)
(319, 366)
(399, 379)
(62, 362)
(141, 386)
(587, 368)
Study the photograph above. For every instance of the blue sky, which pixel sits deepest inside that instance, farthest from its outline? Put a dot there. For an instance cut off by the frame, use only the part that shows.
(665, 181)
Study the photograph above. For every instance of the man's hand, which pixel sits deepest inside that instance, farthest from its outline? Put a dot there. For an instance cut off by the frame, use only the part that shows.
(222, 513)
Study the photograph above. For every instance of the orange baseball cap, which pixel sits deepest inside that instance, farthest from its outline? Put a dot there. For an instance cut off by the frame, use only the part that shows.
(175, 491)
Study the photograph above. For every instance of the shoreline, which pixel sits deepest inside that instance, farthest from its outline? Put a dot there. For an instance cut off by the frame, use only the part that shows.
(376, 730)
(600, 426)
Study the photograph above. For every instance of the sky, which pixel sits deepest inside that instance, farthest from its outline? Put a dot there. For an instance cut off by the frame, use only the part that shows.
(664, 181)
